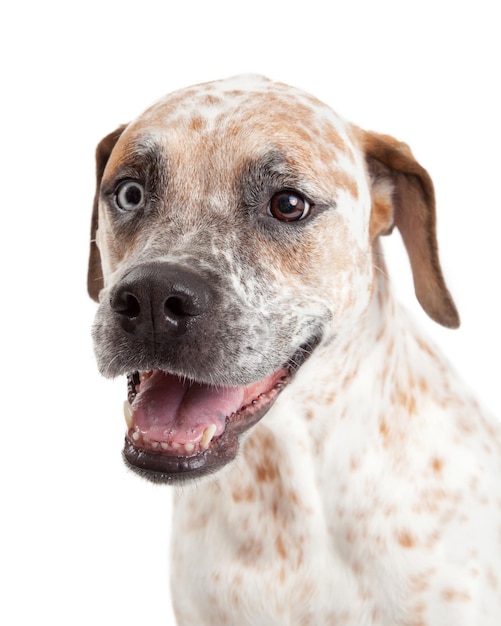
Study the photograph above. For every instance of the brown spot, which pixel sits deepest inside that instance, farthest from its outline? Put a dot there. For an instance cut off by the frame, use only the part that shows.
(267, 471)
(266, 462)
(354, 463)
(366, 595)
(384, 431)
(420, 582)
(405, 539)
(430, 500)
(306, 593)
(197, 123)
(331, 398)
(343, 181)
(380, 335)
(466, 426)
(492, 579)
(245, 495)
(294, 498)
(211, 100)
(251, 549)
(309, 415)
(332, 137)
(238, 580)
(437, 465)
(403, 397)
(234, 597)
(376, 614)
(425, 347)
(390, 510)
(390, 348)
(280, 547)
(423, 386)
(452, 595)
(349, 378)
(337, 619)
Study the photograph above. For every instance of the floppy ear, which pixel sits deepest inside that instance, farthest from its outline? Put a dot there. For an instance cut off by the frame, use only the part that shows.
(95, 272)
(403, 196)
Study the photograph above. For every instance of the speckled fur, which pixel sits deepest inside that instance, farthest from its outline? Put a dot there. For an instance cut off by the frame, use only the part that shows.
(370, 494)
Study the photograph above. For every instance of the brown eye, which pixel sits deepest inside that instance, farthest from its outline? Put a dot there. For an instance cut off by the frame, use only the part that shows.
(288, 206)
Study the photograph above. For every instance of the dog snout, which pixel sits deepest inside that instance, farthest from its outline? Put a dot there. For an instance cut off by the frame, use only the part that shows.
(160, 299)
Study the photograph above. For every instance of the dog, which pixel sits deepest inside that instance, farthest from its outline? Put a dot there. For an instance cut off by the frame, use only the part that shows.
(350, 477)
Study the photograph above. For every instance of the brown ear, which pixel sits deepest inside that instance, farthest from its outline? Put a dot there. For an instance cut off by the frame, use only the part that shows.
(95, 272)
(410, 206)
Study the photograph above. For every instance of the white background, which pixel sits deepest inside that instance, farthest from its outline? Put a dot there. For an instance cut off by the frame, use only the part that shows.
(82, 540)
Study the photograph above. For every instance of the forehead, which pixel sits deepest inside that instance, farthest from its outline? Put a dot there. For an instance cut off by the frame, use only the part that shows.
(243, 118)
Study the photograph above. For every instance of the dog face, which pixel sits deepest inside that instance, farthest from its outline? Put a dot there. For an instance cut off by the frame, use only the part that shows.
(233, 234)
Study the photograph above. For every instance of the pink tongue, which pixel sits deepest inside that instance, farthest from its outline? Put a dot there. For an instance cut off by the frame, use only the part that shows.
(170, 409)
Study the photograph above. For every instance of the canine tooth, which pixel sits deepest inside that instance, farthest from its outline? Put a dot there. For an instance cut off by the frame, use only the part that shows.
(136, 436)
(189, 447)
(128, 413)
(207, 436)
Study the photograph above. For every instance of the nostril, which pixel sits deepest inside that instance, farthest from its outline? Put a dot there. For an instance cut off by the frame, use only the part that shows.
(127, 304)
(181, 304)
(174, 305)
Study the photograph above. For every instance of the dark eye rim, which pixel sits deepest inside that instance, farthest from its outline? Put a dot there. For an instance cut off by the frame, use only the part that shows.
(116, 193)
(302, 215)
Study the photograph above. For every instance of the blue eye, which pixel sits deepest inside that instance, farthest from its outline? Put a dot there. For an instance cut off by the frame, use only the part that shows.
(129, 196)
(288, 206)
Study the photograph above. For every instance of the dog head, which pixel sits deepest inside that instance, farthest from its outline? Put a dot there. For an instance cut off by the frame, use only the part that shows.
(233, 233)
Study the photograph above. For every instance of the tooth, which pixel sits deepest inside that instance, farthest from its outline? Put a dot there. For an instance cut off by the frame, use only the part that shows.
(175, 445)
(128, 413)
(207, 436)
(144, 376)
(189, 447)
(155, 445)
(164, 446)
(136, 436)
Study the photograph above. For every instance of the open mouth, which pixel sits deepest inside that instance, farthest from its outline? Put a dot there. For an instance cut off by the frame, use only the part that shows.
(179, 428)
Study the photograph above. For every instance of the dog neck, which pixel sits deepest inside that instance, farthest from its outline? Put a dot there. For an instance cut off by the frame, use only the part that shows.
(369, 375)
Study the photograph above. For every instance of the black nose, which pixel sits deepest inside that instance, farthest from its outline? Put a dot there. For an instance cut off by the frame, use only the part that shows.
(158, 299)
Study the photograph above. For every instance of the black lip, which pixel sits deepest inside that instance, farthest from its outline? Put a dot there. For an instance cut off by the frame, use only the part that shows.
(162, 468)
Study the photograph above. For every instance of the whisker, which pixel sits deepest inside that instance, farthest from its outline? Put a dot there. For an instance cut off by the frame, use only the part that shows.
(381, 270)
